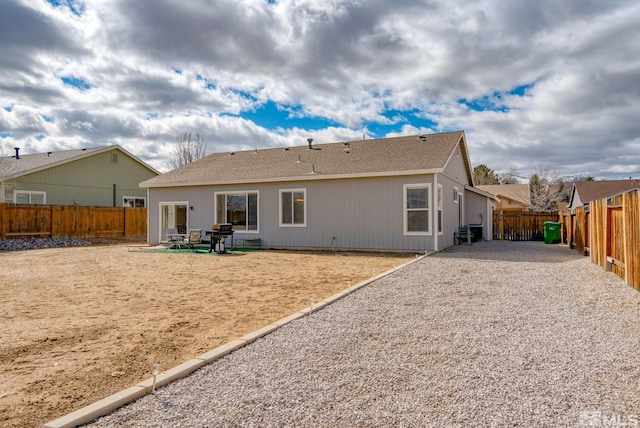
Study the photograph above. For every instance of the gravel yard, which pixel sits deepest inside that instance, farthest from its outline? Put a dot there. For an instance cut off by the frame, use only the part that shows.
(495, 334)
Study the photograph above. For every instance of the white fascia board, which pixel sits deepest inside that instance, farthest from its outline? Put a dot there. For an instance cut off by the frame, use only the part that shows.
(309, 177)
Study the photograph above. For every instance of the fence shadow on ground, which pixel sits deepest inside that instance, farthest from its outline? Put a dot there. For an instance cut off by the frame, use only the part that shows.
(512, 251)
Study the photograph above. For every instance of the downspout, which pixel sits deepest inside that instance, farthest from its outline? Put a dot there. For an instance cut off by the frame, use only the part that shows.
(114, 195)
(434, 212)
(489, 220)
(148, 207)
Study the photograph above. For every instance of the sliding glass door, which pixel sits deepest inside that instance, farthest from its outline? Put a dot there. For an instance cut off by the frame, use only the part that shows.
(173, 218)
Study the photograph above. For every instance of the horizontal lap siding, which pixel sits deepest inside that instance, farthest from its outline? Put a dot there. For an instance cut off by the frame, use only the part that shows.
(89, 181)
(359, 213)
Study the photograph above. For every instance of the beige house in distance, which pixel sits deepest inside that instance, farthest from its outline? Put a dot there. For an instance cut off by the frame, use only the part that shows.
(513, 197)
(100, 176)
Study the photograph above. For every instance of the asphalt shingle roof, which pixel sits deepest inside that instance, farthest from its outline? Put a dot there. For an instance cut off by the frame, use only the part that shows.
(384, 156)
(27, 163)
(592, 190)
(14, 167)
(516, 192)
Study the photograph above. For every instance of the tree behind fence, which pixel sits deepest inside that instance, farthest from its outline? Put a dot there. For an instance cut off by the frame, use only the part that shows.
(63, 221)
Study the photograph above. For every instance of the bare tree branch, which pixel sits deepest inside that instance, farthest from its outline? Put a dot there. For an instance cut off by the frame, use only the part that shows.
(510, 177)
(7, 169)
(547, 191)
(189, 149)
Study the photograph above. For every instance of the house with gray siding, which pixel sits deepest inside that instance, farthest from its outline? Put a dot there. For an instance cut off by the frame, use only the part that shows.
(407, 193)
(99, 176)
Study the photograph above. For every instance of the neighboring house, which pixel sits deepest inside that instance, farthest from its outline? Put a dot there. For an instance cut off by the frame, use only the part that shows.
(100, 176)
(513, 197)
(584, 192)
(403, 193)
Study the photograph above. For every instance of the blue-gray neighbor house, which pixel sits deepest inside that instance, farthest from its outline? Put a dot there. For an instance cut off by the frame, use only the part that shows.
(408, 193)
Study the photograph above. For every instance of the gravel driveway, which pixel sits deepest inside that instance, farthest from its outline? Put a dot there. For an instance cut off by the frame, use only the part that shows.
(493, 334)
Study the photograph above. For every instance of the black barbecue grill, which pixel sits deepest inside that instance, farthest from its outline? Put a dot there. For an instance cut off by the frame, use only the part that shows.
(219, 234)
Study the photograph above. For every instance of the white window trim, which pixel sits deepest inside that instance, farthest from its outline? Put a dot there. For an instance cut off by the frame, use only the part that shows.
(440, 209)
(161, 205)
(405, 187)
(238, 192)
(30, 192)
(304, 223)
(135, 197)
(456, 195)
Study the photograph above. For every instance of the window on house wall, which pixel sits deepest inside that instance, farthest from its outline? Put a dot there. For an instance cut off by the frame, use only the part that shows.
(29, 197)
(293, 207)
(173, 218)
(134, 202)
(440, 204)
(240, 209)
(416, 207)
(456, 195)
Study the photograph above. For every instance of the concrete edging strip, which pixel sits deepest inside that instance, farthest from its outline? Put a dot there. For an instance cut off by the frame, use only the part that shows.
(112, 402)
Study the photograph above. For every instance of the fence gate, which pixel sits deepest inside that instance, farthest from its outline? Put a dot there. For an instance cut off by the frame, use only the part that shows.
(520, 225)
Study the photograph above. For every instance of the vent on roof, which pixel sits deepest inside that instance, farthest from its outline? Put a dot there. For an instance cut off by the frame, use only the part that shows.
(17, 152)
(423, 137)
(310, 140)
(299, 159)
(347, 147)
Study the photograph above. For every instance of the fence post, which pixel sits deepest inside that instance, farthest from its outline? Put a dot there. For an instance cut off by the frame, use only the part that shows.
(4, 221)
(631, 238)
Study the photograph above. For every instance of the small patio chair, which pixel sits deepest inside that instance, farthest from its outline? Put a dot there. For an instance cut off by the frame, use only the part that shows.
(194, 237)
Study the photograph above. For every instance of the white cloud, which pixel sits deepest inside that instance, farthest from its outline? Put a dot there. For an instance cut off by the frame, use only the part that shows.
(348, 62)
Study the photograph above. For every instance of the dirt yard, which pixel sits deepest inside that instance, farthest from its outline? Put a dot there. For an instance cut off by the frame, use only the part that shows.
(78, 324)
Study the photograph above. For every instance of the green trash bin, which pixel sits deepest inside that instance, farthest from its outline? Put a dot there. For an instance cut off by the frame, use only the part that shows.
(552, 232)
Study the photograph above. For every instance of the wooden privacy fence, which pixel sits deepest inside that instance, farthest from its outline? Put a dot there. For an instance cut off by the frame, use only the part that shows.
(62, 221)
(608, 230)
(520, 225)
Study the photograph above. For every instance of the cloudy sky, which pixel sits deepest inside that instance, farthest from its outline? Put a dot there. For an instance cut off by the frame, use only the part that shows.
(534, 84)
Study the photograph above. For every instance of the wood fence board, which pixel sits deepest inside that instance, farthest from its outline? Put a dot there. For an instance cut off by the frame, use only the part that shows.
(615, 246)
(610, 228)
(135, 221)
(597, 232)
(631, 238)
(26, 221)
(70, 221)
(580, 229)
(520, 225)
(107, 222)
